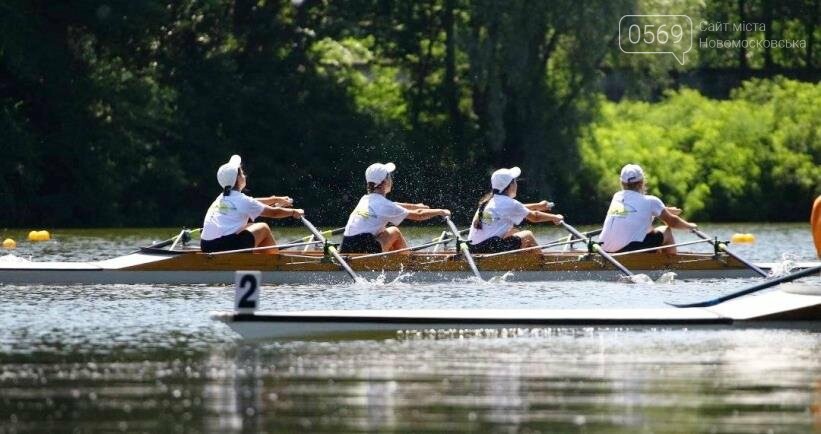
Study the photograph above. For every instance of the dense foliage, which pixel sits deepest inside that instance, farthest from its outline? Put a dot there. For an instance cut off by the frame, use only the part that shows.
(119, 112)
(756, 156)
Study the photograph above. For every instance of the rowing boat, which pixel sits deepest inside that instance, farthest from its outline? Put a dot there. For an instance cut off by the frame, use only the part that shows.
(783, 308)
(162, 266)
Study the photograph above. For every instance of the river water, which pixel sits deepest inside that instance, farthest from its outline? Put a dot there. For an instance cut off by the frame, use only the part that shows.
(148, 358)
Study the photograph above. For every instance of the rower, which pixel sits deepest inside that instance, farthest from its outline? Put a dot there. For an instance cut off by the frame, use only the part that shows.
(629, 222)
(493, 228)
(366, 231)
(229, 222)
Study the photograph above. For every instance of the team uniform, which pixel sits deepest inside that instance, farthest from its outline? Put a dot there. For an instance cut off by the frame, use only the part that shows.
(224, 221)
(500, 215)
(628, 225)
(373, 212)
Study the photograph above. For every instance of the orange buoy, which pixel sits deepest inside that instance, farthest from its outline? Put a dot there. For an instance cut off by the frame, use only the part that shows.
(815, 221)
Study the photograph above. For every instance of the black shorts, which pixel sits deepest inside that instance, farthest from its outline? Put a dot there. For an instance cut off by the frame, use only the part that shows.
(496, 244)
(361, 243)
(242, 240)
(652, 239)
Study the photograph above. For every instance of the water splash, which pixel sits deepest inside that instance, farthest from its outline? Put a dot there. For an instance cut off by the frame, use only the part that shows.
(501, 279)
(667, 278)
(12, 259)
(636, 278)
(787, 264)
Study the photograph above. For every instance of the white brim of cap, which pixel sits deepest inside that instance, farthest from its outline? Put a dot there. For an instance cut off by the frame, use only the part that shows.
(235, 161)
(515, 172)
(390, 166)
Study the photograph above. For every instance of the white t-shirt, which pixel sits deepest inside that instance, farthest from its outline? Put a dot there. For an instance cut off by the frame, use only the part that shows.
(228, 214)
(501, 213)
(372, 214)
(629, 218)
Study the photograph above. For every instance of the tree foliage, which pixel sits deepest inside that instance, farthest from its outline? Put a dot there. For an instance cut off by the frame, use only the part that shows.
(753, 157)
(119, 112)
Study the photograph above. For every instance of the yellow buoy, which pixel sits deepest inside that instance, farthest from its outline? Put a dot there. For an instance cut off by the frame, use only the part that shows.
(8, 243)
(39, 236)
(742, 239)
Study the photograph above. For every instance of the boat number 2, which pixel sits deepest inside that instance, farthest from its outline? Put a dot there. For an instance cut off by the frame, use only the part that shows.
(247, 289)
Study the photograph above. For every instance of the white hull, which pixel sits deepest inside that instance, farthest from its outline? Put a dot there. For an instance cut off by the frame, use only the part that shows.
(773, 309)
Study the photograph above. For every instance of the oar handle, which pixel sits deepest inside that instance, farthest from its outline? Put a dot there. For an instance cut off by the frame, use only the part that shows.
(723, 247)
(331, 249)
(597, 248)
(463, 247)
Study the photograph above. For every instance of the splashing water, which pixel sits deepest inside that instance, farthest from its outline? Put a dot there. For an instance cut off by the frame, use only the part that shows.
(667, 278)
(500, 279)
(12, 259)
(636, 278)
(787, 264)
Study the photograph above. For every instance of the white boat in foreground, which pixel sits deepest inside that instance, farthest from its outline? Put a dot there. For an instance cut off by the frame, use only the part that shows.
(792, 306)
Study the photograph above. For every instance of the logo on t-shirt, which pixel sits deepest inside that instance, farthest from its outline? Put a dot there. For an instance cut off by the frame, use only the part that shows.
(620, 209)
(365, 213)
(225, 207)
(487, 217)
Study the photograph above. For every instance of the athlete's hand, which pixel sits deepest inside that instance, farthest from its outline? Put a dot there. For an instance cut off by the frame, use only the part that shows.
(444, 212)
(543, 206)
(558, 219)
(297, 213)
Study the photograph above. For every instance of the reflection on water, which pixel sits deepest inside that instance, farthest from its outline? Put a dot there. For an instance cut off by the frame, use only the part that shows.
(147, 358)
(567, 380)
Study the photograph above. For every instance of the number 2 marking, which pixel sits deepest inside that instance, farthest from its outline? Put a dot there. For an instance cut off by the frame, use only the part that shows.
(249, 283)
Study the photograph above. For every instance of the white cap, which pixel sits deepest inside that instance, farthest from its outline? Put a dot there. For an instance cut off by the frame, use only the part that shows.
(377, 172)
(503, 177)
(631, 173)
(227, 173)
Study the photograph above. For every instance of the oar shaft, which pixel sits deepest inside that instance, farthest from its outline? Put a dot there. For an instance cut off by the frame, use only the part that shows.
(407, 249)
(597, 248)
(666, 246)
(331, 249)
(539, 247)
(328, 233)
(259, 249)
(464, 248)
(763, 285)
(727, 250)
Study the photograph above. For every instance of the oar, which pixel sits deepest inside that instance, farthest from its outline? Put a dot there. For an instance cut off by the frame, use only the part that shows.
(758, 287)
(406, 249)
(162, 244)
(463, 247)
(442, 237)
(331, 249)
(597, 249)
(723, 247)
(328, 233)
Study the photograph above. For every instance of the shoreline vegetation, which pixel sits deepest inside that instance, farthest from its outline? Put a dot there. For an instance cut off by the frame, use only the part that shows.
(118, 114)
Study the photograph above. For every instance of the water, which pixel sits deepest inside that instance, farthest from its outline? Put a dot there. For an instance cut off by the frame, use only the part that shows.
(147, 358)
